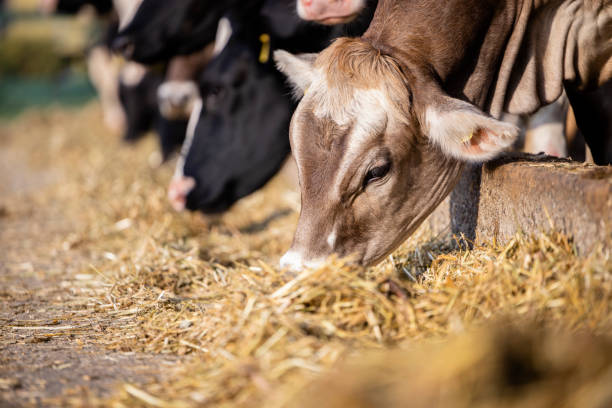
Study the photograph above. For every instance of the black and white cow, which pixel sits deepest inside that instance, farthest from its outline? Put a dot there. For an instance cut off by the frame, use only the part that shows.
(161, 29)
(161, 98)
(177, 96)
(239, 139)
(129, 92)
(138, 94)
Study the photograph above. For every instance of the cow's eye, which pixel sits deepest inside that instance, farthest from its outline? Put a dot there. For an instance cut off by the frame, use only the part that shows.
(214, 97)
(376, 173)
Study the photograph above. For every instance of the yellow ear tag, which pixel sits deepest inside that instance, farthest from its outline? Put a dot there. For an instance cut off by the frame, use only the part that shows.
(468, 137)
(264, 53)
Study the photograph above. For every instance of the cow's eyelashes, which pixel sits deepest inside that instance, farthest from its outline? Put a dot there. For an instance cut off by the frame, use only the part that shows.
(376, 173)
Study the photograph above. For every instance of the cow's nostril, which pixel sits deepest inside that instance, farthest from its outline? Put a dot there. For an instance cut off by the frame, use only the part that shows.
(124, 45)
(306, 3)
(179, 189)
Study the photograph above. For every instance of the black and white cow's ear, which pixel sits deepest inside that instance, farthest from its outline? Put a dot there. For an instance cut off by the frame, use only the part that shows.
(298, 68)
(465, 132)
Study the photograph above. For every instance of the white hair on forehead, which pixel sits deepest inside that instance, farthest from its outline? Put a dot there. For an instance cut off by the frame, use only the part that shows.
(126, 10)
(224, 33)
(366, 109)
(354, 78)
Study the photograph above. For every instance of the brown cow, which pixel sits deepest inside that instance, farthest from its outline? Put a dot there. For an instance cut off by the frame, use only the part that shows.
(544, 131)
(388, 120)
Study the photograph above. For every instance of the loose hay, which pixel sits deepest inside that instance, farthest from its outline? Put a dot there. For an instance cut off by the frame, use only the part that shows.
(209, 288)
(506, 367)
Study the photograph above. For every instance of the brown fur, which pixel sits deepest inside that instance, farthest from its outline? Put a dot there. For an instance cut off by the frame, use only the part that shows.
(186, 67)
(443, 66)
(356, 63)
(353, 63)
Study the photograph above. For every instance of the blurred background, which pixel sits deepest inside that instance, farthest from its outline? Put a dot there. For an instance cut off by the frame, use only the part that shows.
(43, 57)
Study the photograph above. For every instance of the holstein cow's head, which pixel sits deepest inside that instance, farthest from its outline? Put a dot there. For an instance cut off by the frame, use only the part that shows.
(161, 29)
(330, 12)
(378, 145)
(177, 97)
(238, 140)
(138, 93)
(176, 100)
(138, 96)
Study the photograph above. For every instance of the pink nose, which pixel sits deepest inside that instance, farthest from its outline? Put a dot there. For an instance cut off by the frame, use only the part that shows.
(307, 7)
(179, 188)
(294, 261)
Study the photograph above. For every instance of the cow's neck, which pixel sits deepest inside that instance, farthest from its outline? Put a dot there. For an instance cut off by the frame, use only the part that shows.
(507, 55)
(456, 39)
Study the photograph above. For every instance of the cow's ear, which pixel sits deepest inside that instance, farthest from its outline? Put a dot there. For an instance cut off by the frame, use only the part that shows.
(298, 68)
(464, 131)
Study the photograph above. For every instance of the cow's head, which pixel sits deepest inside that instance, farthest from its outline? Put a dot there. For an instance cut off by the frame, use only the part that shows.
(177, 98)
(179, 92)
(138, 96)
(330, 11)
(240, 139)
(161, 29)
(378, 145)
